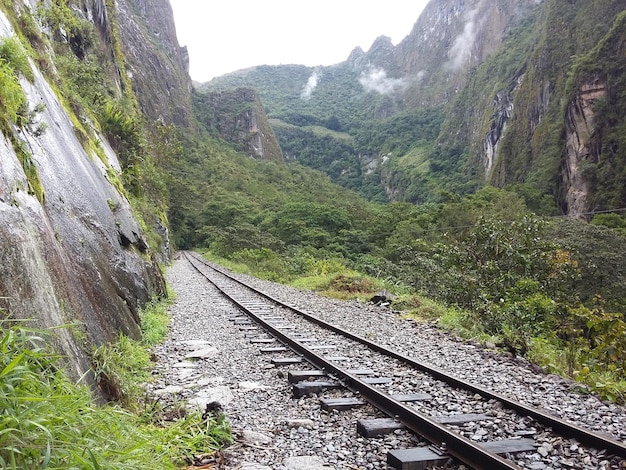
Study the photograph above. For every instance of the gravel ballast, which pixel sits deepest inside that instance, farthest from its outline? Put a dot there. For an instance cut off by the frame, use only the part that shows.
(207, 358)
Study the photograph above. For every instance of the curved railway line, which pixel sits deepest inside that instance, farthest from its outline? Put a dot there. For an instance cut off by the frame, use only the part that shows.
(342, 361)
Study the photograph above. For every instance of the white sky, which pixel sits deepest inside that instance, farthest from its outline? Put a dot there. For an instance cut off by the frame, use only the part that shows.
(227, 35)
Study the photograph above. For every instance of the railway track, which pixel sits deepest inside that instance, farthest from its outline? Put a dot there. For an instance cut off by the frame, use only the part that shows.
(395, 384)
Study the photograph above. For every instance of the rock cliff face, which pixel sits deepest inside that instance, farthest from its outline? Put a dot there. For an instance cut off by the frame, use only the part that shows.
(238, 116)
(158, 66)
(73, 251)
(581, 145)
(448, 39)
(503, 106)
(562, 132)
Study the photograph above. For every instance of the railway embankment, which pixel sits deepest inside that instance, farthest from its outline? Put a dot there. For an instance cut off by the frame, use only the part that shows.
(208, 357)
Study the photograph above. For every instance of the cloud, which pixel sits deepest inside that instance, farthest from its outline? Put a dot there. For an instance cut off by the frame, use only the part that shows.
(310, 86)
(376, 80)
(461, 51)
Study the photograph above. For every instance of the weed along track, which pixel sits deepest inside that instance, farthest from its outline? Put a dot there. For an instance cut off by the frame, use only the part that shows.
(454, 419)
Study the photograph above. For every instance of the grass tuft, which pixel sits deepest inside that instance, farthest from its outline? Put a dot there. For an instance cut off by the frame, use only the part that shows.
(154, 322)
(13, 53)
(121, 369)
(47, 421)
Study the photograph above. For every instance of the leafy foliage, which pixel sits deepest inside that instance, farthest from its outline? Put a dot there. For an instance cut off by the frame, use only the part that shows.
(47, 421)
(68, 28)
(12, 51)
(13, 99)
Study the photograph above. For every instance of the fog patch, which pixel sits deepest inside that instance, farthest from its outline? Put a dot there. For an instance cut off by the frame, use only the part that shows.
(461, 51)
(310, 86)
(376, 80)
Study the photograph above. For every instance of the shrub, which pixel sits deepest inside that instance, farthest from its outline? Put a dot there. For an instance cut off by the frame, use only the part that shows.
(352, 284)
(12, 51)
(47, 421)
(263, 263)
(12, 97)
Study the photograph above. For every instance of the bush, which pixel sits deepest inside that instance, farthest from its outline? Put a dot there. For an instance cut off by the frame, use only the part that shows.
(12, 97)
(47, 421)
(263, 263)
(352, 284)
(13, 53)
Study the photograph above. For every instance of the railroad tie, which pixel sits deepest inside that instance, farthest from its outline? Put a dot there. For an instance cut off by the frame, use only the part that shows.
(274, 350)
(378, 380)
(378, 427)
(409, 397)
(302, 389)
(340, 404)
(460, 418)
(420, 458)
(296, 376)
(262, 340)
(284, 361)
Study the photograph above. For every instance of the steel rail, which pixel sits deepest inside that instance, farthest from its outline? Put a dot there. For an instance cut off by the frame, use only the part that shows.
(567, 429)
(457, 446)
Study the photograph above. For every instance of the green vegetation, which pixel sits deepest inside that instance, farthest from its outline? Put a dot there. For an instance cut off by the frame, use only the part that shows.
(13, 61)
(154, 320)
(484, 264)
(232, 115)
(13, 107)
(32, 175)
(12, 52)
(123, 367)
(13, 99)
(47, 421)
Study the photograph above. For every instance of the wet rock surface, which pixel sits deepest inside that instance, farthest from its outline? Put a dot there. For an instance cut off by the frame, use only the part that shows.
(208, 358)
(72, 250)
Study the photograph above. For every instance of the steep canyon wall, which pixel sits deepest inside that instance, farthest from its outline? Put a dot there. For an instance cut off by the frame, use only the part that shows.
(72, 250)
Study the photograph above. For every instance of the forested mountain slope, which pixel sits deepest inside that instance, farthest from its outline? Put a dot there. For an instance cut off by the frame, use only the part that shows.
(480, 92)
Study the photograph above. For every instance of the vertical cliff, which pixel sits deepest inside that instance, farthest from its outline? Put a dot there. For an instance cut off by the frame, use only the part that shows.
(449, 39)
(595, 149)
(238, 117)
(157, 66)
(72, 248)
(563, 134)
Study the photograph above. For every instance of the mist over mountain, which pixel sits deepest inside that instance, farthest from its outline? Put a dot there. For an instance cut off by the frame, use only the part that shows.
(480, 92)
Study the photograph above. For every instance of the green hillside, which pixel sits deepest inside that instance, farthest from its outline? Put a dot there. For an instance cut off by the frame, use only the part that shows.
(503, 120)
(393, 160)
